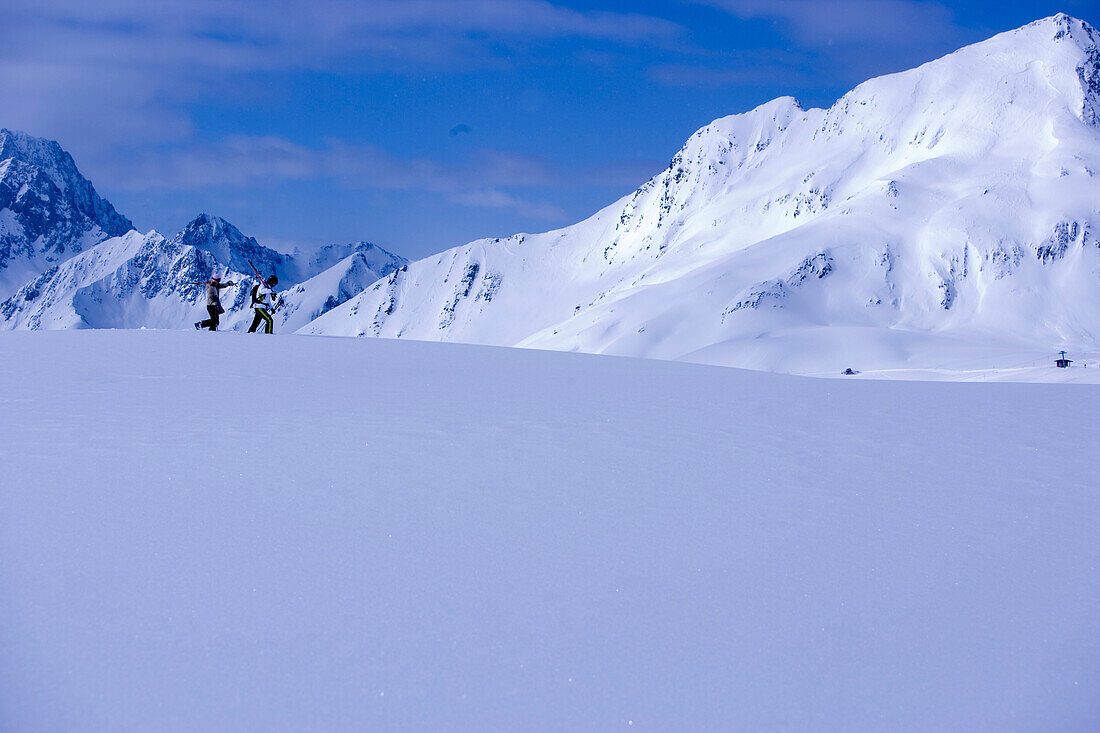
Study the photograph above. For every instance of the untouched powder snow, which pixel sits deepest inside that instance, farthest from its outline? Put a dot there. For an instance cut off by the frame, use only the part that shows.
(209, 531)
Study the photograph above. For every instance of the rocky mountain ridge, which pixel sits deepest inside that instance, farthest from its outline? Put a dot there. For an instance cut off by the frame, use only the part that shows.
(48, 210)
(147, 281)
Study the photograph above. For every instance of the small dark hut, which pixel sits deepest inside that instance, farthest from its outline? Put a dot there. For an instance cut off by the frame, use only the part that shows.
(1063, 363)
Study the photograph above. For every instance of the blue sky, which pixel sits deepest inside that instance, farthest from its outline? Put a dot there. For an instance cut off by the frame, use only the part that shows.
(422, 124)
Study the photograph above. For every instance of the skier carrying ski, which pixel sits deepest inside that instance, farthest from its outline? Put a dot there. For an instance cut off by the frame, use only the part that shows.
(264, 301)
(213, 302)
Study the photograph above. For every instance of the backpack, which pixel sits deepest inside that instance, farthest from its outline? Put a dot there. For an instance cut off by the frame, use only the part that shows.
(255, 289)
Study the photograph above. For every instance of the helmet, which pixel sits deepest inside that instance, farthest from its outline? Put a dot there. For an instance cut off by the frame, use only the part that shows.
(273, 280)
(216, 277)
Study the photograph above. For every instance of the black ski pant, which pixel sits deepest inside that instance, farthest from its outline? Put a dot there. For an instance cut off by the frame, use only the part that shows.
(212, 321)
(262, 316)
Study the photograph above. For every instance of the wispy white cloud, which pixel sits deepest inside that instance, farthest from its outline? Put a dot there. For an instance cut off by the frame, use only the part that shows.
(327, 27)
(246, 160)
(114, 81)
(114, 71)
(487, 179)
(736, 70)
(824, 23)
(495, 199)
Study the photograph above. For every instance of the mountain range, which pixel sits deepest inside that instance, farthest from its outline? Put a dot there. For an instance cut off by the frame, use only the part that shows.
(932, 217)
(945, 216)
(147, 281)
(69, 260)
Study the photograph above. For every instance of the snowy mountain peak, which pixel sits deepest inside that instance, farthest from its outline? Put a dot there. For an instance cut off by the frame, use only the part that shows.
(50, 159)
(48, 210)
(1061, 26)
(46, 155)
(233, 248)
(1052, 59)
(214, 227)
(1043, 38)
(211, 232)
(924, 213)
(378, 260)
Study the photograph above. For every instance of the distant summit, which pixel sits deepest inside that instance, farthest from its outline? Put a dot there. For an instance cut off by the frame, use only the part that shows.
(231, 247)
(48, 210)
(147, 281)
(69, 260)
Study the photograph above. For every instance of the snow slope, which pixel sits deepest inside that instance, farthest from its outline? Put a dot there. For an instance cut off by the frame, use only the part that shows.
(208, 531)
(132, 281)
(48, 211)
(132, 278)
(137, 281)
(332, 287)
(944, 215)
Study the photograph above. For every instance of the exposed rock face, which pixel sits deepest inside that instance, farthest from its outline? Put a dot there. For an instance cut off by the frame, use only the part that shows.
(146, 281)
(48, 210)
